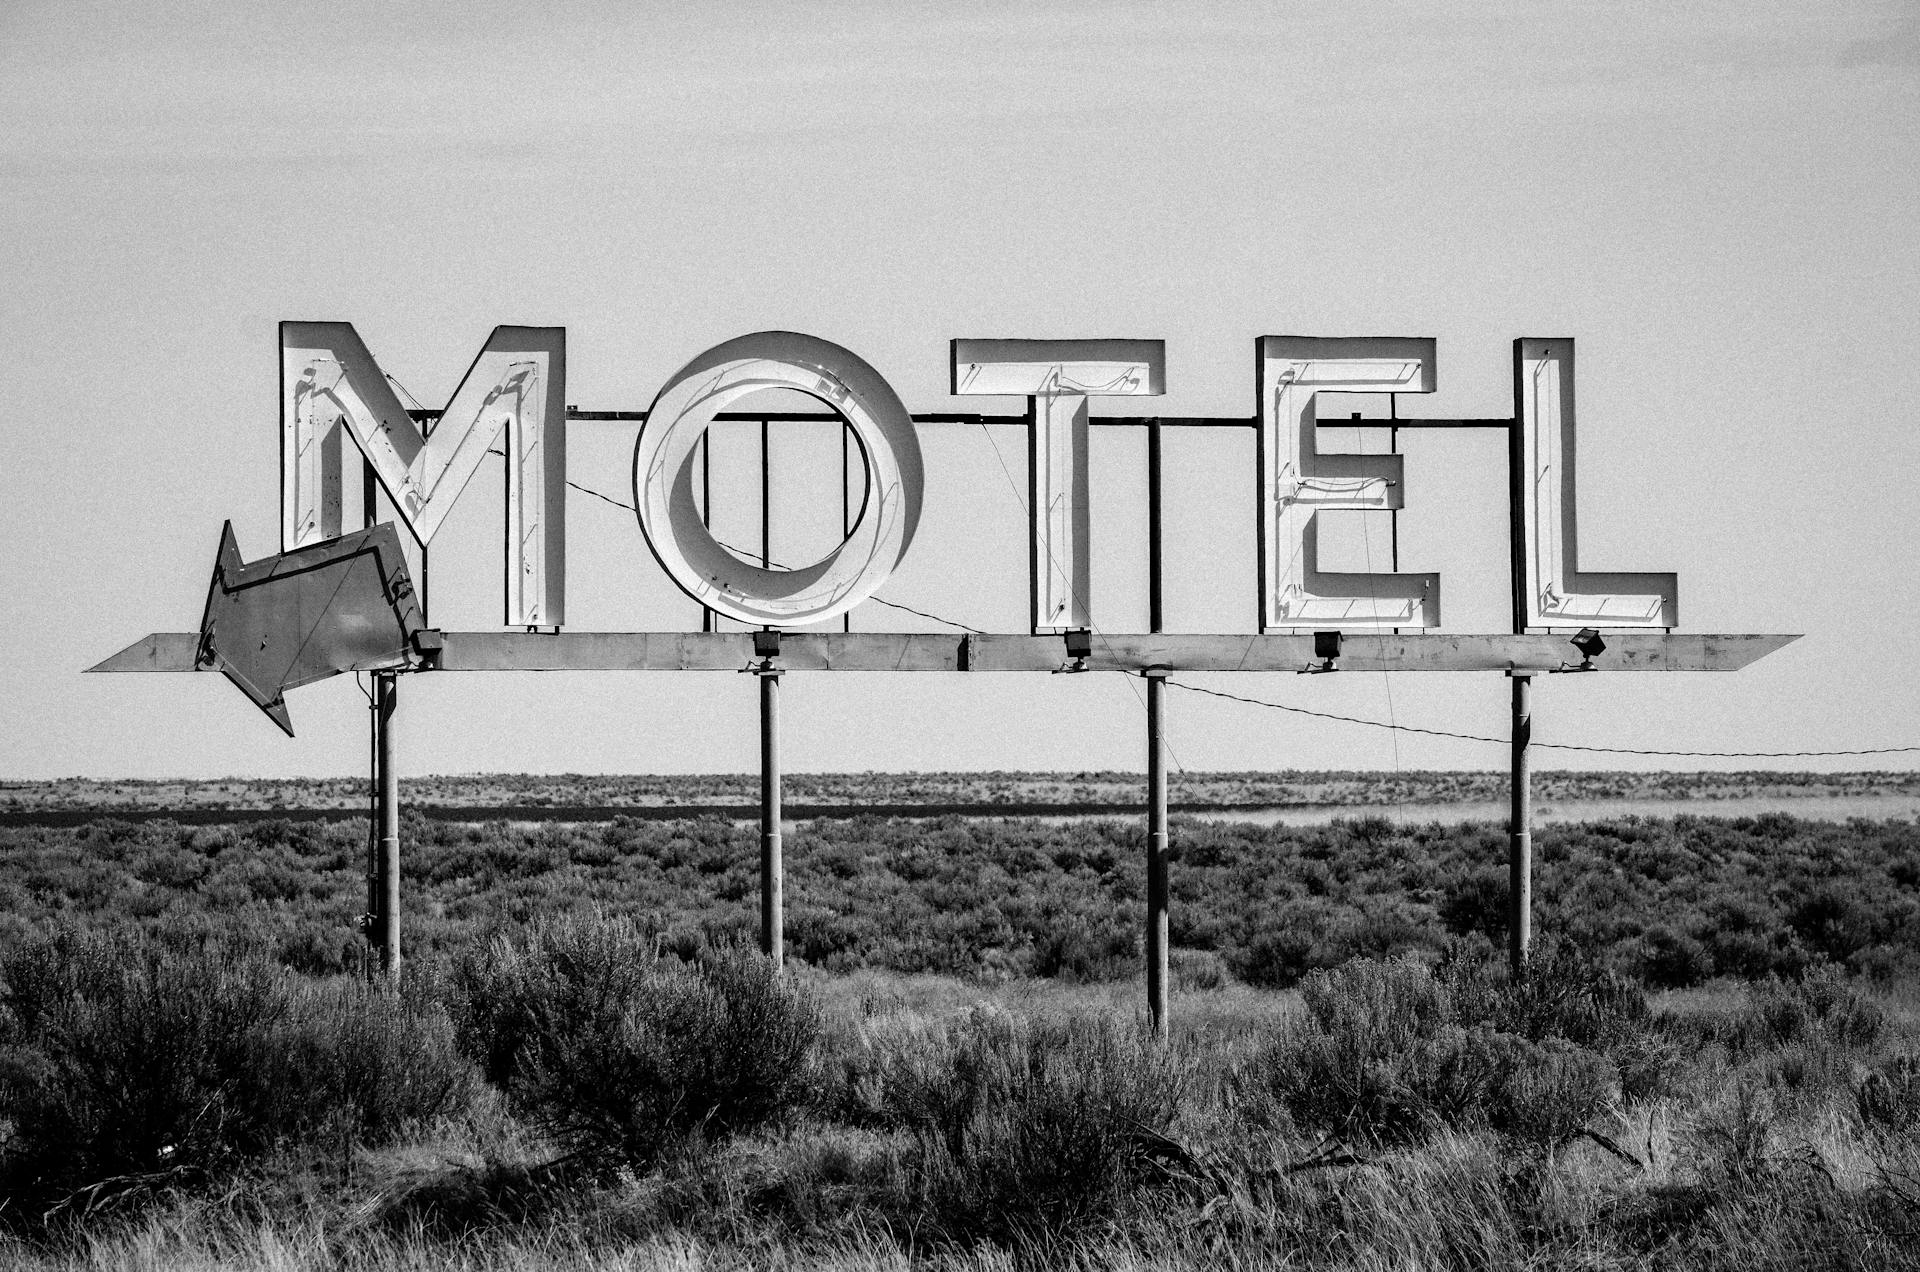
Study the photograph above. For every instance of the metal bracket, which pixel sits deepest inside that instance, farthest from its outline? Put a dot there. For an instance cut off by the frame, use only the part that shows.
(1079, 642)
(1326, 647)
(1588, 642)
(766, 647)
(427, 644)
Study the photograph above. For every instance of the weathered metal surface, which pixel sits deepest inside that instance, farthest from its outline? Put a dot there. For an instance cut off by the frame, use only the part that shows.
(772, 875)
(156, 651)
(1057, 378)
(1035, 368)
(1298, 481)
(946, 651)
(1555, 591)
(1157, 894)
(1277, 652)
(675, 523)
(302, 616)
(1520, 832)
(512, 401)
(386, 873)
(702, 651)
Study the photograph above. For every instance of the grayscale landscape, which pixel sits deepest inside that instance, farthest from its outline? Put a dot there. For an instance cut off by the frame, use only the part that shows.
(984, 637)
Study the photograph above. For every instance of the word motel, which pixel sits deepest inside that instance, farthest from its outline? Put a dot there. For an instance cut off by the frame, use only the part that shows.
(336, 402)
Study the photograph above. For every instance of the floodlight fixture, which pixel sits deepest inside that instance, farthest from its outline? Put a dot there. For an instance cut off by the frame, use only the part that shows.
(428, 643)
(1326, 648)
(1079, 642)
(766, 648)
(1588, 642)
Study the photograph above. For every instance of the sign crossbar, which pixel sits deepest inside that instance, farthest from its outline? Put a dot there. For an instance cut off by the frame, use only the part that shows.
(954, 652)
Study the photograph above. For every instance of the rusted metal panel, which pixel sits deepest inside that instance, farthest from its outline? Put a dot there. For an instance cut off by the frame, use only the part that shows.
(699, 651)
(290, 620)
(156, 651)
(872, 651)
(1276, 652)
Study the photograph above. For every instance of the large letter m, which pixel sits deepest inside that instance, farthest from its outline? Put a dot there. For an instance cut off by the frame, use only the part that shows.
(331, 390)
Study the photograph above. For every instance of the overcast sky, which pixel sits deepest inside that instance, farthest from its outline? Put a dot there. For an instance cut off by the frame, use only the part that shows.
(1718, 201)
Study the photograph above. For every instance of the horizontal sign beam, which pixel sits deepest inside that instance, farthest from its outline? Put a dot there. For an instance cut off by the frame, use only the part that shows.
(1423, 652)
(945, 651)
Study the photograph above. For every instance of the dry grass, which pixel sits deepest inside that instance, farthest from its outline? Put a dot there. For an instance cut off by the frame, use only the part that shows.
(1745, 1162)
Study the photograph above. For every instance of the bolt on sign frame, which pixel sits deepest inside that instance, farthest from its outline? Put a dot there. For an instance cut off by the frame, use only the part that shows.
(333, 394)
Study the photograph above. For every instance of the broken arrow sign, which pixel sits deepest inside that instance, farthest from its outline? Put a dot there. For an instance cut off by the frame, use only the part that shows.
(272, 625)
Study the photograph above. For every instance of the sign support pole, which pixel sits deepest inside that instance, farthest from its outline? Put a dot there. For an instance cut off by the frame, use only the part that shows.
(706, 510)
(387, 780)
(772, 937)
(1156, 945)
(1157, 854)
(1520, 814)
(1520, 833)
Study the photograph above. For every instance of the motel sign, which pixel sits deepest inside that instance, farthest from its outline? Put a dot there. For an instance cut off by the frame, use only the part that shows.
(339, 598)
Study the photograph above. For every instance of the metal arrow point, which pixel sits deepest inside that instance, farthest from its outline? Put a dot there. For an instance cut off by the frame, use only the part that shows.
(272, 625)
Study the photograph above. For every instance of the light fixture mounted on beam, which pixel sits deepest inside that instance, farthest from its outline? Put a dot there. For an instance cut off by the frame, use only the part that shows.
(1326, 648)
(1079, 641)
(1588, 642)
(766, 648)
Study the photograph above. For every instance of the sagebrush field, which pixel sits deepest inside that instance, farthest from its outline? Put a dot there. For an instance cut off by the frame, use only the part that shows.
(1669, 902)
(1715, 1063)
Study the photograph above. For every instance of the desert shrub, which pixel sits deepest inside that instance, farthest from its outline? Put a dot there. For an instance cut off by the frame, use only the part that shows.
(1808, 1072)
(1565, 994)
(316, 950)
(1737, 1137)
(620, 1051)
(1650, 1064)
(1381, 1005)
(134, 1064)
(1301, 937)
(1342, 1085)
(1834, 921)
(1197, 969)
(1278, 959)
(353, 1060)
(125, 1061)
(1476, 902)
(1888, 1097)
(1387, 1056)
(1034, 1128)
(1885, 962)
(1760, 896)
(1548, 1092)
(1746, 937)
(1380, 1058)
(1820, 1006)
(1079, 947)
(1671, 959)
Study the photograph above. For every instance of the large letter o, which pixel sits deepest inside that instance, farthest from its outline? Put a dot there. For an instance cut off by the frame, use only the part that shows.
(663, 472)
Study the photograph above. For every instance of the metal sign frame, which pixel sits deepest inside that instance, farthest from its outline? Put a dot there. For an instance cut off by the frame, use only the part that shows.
(333, 394)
